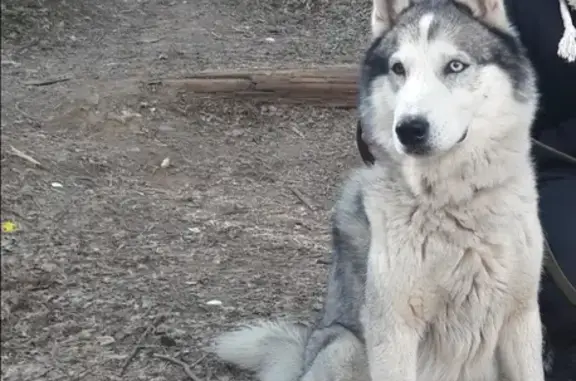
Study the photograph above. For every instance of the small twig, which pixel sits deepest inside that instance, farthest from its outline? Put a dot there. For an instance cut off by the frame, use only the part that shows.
(17, 107)
(216, 35)
(303, 198)
(130, 359)
(323, 262)
(182, 364)
(22, 155)
(159, 319)
(150, 41)
(199, 360)
(47, 82)
(84, 373)
(28, 46)
(10, 62)
(298, 132)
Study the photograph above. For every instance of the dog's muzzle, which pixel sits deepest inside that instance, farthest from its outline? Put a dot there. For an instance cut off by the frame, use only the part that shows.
(413, 133)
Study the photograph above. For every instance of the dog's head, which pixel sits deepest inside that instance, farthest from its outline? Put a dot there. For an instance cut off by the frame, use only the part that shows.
(442, 73)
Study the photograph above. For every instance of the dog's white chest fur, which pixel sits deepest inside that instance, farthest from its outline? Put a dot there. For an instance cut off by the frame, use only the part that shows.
(459, 277)
(449, 273)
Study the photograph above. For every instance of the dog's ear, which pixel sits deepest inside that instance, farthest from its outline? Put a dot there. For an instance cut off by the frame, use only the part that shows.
(385, 13)
(492, 12)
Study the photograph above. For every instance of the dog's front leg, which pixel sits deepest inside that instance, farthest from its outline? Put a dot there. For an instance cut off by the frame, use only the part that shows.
(391, 348)
(520, 346)
(392, 314)
(391, 328)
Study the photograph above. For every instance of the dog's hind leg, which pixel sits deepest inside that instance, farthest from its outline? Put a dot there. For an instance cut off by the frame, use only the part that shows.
(338, 356)
(333, 351)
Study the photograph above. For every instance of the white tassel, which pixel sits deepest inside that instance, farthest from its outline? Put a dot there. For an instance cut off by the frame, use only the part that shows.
(567, 45)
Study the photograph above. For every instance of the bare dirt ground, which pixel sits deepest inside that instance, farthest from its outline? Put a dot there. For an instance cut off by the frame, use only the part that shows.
(116, 255)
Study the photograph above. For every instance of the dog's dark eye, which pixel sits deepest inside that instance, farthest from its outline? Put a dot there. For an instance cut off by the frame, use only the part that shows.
(398, 69)
(455, 66)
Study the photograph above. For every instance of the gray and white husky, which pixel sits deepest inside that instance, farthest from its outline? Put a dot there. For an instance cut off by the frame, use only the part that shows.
(438, 246)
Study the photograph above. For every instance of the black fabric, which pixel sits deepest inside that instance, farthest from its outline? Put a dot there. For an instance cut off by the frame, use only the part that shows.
(540, 26)
(557, 190)
(564, 365)
(561, 138)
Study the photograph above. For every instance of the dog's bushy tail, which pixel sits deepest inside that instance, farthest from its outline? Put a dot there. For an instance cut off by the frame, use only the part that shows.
(273, 350)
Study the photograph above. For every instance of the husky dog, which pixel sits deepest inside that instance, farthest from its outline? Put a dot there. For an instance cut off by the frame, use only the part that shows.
(437, 248)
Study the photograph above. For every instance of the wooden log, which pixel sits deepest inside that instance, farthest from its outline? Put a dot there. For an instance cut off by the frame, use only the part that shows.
(332, 86)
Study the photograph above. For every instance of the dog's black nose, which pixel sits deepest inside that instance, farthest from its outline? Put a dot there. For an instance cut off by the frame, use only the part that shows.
(413, 132)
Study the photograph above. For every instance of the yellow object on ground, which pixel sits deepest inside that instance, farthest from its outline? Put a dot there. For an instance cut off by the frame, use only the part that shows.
(9, 227)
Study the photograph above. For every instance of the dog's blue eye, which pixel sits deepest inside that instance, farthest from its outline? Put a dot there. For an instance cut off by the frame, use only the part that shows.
(455, 66)
(398, 69)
